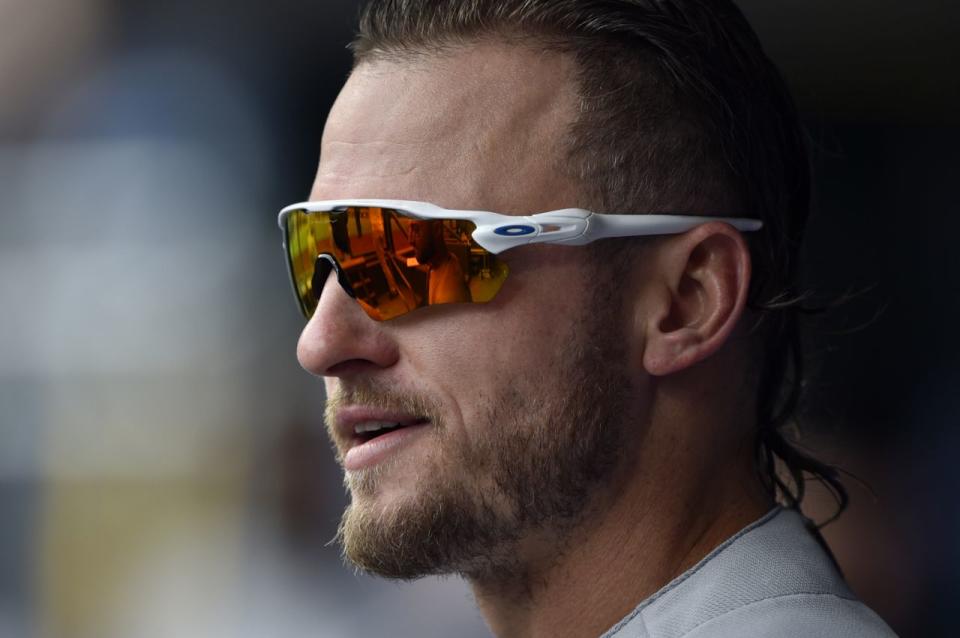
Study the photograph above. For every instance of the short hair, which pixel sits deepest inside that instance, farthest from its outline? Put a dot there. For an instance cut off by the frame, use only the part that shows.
(680, 110)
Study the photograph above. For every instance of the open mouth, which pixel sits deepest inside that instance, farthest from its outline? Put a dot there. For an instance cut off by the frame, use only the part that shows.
(375, 440)
(370, 430)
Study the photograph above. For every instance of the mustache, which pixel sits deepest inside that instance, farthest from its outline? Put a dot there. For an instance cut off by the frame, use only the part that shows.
(382, 398)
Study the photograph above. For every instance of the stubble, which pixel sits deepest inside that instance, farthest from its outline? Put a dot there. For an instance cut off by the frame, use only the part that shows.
(548, 447)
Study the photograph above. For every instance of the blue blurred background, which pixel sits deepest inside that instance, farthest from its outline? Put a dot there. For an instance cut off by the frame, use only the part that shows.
(163, 468)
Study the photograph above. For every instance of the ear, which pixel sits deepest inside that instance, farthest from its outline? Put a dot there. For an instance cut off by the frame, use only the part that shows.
(703, 278)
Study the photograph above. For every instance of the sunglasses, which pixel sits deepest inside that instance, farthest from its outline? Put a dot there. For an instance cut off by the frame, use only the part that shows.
(395, 256)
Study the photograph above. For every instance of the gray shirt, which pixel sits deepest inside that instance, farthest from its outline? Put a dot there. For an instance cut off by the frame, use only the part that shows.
(772, 579)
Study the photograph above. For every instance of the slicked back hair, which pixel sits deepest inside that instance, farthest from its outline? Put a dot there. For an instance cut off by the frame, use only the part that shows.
(680, 110)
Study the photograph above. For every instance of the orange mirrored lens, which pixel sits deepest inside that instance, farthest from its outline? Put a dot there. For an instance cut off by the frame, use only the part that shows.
(392, 263)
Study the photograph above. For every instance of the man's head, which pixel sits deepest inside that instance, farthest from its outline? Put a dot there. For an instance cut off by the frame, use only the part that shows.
(525, 415)
(427, 240)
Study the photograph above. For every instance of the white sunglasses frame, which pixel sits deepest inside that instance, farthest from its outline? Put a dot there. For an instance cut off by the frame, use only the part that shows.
(497, 232)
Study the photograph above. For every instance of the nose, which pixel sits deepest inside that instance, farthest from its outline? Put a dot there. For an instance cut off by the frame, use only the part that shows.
(340, 340)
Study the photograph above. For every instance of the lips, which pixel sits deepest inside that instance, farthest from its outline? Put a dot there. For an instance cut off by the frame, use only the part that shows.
(371, 429)
(367, 436)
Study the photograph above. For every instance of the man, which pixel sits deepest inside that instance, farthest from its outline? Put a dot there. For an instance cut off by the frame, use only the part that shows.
(594, 447)
(445, 281)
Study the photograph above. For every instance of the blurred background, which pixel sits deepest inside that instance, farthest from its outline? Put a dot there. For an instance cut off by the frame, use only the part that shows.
(163, 467)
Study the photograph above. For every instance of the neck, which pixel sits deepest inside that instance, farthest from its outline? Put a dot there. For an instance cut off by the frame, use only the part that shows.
(631, 543)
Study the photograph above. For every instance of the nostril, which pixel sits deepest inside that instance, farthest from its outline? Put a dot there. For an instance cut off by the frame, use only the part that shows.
(340, 340)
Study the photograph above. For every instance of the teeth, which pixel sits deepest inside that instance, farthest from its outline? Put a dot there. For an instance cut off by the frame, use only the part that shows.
(373, 426)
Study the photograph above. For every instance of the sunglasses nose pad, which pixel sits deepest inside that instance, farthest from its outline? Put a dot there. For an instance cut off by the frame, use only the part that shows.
(321, 270)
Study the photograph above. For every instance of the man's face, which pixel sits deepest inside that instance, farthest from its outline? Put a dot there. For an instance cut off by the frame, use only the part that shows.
(514, 408)
(422, 241)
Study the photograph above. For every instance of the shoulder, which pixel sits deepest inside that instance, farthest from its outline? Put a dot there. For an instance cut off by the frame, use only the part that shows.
(771, 579)
(807, 615)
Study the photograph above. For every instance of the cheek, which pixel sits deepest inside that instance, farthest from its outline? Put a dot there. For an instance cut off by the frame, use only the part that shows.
(475, 358)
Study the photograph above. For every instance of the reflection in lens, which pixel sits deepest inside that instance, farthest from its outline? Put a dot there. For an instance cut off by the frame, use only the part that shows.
(393, 263)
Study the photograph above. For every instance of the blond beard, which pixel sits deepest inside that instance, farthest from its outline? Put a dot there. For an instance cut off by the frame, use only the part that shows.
(549, 445)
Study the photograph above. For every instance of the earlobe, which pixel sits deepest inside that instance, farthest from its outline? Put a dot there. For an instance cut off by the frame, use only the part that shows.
(706, 275)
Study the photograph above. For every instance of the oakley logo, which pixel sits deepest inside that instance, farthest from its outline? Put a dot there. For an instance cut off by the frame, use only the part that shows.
(515, 231)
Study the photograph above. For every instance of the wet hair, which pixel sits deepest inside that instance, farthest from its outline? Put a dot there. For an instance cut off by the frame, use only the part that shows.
(680, 110)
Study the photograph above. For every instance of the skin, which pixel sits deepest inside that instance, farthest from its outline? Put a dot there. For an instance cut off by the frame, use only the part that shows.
(481, 127)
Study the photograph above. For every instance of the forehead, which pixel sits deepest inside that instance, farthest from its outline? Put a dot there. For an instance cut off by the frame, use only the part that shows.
(482, 126)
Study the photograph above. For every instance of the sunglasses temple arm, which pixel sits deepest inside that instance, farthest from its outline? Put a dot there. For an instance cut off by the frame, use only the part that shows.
(604, 226)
